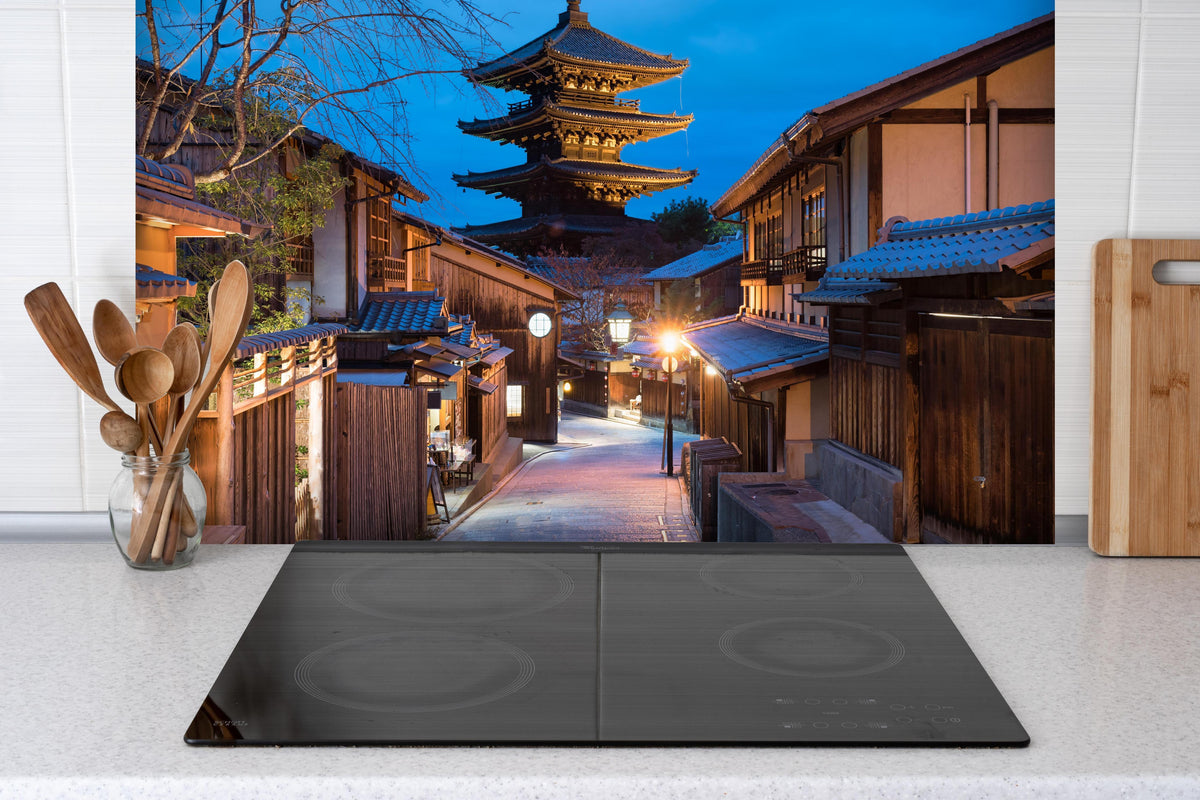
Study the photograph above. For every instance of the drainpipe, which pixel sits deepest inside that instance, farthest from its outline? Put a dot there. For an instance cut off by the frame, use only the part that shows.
(993, 155)
(750, 401)
(967, 153)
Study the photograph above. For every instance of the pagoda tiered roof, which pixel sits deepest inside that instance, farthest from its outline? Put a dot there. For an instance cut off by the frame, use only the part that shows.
(633, 178)
(550, 227)
(574, 46)
(529, 121)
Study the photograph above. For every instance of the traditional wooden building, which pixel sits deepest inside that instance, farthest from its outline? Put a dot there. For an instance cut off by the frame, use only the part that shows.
(167, 210)
(970, 131)
(942, 378)
(573, 183)
(705, 283)
(953, 139)
(522, 310)
(761, 387)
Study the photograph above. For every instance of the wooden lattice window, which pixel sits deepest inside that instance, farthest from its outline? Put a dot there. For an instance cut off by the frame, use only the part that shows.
(768, 238)
(379, 217)
(301, 256)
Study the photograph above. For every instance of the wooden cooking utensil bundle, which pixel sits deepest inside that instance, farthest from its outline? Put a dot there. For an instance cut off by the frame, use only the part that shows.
(1145, 498)
(153, 378)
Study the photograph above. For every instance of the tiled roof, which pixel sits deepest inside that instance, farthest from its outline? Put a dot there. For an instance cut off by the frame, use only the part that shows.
(641, 347)
(1042, 301)
(586, 224)
(648, 363)
(152, 283)
(576, 168)
(403, 312)
(707, 258)
(493, 357)
(575, 38)
(171, 178)
(465, 336)
(167, 192)
(987, 241)
(266, 342)
(850, 292)
(745, 349)
(476, 382)
(439, 367)
(548, 110)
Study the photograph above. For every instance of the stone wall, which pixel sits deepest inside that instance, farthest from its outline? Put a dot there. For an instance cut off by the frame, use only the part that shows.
(867, 487)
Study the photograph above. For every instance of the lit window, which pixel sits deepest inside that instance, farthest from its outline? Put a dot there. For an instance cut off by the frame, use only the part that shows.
(516, 401)
(540, 324)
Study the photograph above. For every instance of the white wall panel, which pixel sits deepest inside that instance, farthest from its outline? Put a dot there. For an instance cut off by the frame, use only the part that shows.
(66, 121)
(1128, 164)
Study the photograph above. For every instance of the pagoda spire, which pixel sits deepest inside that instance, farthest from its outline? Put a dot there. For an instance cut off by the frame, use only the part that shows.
(573, 127)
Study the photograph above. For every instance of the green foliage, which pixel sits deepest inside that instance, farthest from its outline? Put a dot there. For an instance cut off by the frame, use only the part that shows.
(301, 474)
(301, 449)
(293, 204)
(689, 220)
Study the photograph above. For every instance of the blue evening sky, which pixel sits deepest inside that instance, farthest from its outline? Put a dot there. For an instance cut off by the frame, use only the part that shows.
(755, 67)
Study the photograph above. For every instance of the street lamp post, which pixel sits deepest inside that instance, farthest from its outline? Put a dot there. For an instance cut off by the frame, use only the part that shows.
(619, 320)
(670, 364)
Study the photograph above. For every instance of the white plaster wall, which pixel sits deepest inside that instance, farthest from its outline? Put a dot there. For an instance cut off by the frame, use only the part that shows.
(329, 257)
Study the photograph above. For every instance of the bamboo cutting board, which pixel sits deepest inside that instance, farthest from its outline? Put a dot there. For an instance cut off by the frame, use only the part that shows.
(1145, 498)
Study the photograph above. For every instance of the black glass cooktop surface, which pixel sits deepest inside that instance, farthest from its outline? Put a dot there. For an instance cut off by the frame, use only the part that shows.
(422, 643)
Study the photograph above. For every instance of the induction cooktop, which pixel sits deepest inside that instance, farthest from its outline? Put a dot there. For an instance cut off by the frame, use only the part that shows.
(394, 643)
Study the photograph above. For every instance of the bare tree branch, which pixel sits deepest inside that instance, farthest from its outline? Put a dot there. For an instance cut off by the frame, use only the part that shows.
(337, 66)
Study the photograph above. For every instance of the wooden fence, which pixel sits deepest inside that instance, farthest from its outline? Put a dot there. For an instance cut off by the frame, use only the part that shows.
(381, 461)
(244, 445)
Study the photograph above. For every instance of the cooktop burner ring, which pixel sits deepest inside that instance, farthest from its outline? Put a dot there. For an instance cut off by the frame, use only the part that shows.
(494, 669)
(402, 593)
(812, 647)
(758, 578)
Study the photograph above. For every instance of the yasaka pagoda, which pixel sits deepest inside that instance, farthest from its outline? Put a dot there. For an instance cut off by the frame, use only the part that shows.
(573, 183)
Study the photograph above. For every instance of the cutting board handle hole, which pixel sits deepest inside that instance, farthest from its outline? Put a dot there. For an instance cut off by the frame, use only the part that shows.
(1176, 272)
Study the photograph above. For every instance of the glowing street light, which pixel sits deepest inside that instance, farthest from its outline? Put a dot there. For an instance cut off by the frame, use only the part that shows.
(668, 341)
(619, 320)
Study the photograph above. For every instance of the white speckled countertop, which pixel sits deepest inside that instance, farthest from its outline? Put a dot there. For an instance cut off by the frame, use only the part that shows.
(103, 668)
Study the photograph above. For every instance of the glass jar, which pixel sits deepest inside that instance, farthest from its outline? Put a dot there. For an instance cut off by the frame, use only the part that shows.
(169, 537)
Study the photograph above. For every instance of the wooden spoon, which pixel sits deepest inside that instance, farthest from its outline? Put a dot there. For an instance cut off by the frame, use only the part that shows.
(113, 334)
(182, 346)
(121, 432)
(59, 328)
(212, 301)
(144, 376)
(230, 318)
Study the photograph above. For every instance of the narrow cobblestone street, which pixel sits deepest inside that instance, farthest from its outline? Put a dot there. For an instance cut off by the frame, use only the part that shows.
(601, 482)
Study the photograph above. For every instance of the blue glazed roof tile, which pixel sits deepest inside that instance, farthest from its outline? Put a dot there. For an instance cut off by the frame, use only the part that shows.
(987, 241)
(707, 258)
(743, 348)
(266, 342)
(849, 291)
(402, 312)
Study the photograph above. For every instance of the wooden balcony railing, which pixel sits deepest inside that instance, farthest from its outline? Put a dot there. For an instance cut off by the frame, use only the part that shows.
(524, 105)
(301, 257)
(806, 261)
(767, 269)
(385, 272)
